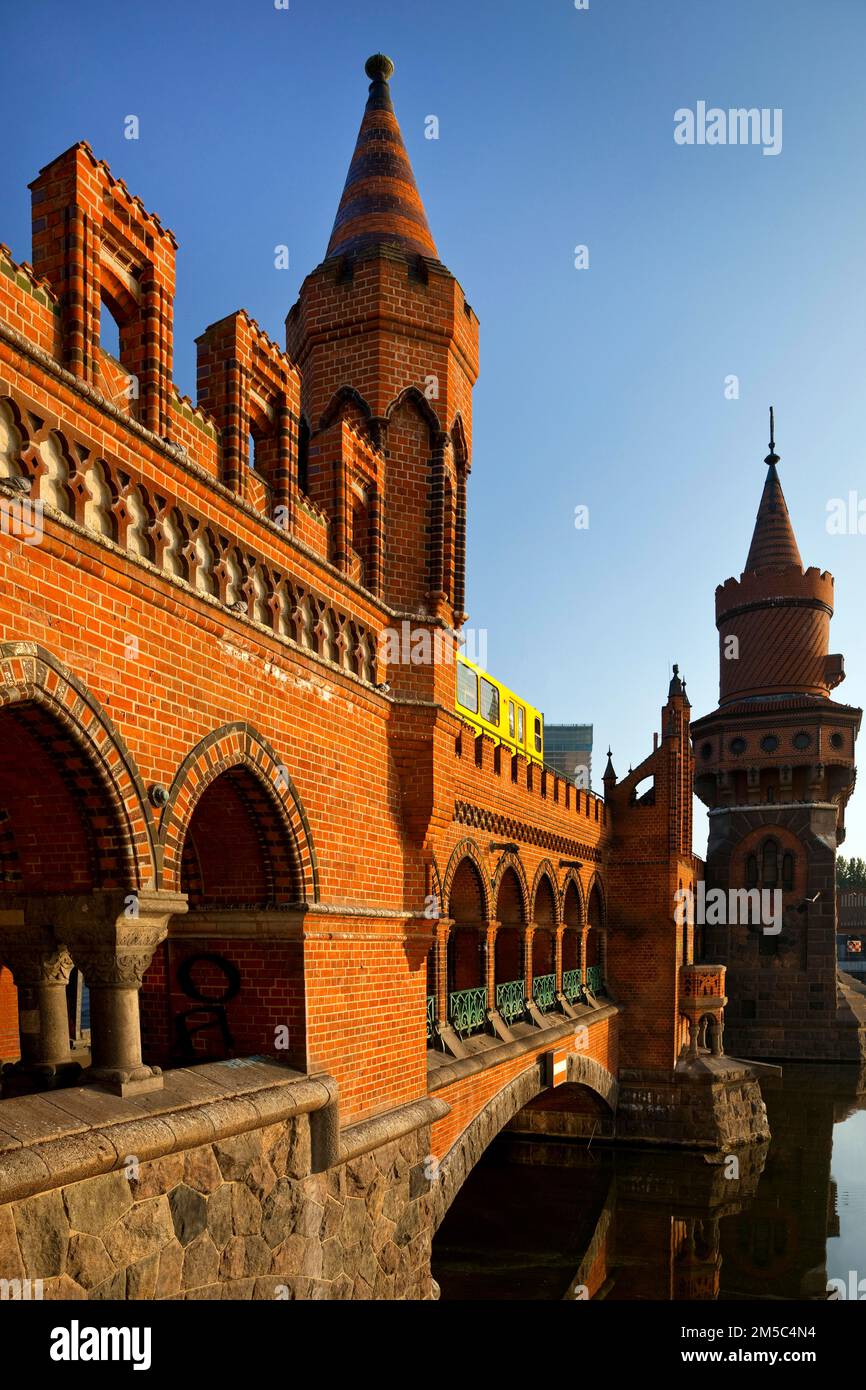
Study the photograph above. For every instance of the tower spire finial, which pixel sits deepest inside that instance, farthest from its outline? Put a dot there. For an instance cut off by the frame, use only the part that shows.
(772, 456)
(380, 205)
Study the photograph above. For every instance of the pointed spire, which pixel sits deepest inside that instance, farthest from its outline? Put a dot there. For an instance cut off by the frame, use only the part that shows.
(380, 203)
(773, 541)
(676, 685)
(609, 774)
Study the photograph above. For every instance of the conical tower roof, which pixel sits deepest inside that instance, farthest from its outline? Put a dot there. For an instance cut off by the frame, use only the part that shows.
(380, 203)
(774, 544)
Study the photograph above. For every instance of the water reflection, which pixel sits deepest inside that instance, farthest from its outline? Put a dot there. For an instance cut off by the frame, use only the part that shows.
(551, 1219)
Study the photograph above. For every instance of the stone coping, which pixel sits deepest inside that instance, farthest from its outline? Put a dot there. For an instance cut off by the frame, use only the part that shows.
(62, 1136)
(446, 1072)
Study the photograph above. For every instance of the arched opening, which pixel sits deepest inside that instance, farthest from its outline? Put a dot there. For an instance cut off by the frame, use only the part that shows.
(770, 864)
(109, 329)
(571, 976)
(360, 542)
(467, 994)
(239, 868)
(304, 457)
(595, 952)
(59, 834)
(509, 971)
(234, 848)
(544, 946)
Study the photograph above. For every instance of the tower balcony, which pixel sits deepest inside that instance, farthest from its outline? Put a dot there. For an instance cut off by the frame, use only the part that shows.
(702, 1002)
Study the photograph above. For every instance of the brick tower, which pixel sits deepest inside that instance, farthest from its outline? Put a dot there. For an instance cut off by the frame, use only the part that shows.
(387, 347)
(775, 767)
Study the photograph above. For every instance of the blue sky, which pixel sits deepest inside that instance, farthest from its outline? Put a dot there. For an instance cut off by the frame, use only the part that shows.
(602, 387)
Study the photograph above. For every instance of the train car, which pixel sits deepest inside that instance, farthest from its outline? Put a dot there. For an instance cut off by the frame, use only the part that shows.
(493, 709)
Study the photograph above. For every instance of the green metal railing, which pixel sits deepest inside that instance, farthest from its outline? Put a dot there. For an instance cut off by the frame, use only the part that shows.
(544, 992)
(431, 1016)
(509, 999)
(467, 1010)
(572, 985)
(593, 979)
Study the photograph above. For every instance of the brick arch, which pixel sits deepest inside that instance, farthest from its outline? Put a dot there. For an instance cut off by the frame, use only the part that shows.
(546, 871)
(469, 1146)
(510, 860)
(596, 882)
(410, 395)
(123, 305)
(572, 878)
(232, 746)
(467, 849)
(344, 395)
(31, 675)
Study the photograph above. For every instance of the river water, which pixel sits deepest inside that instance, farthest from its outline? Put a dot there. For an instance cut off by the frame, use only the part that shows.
(554, 1219)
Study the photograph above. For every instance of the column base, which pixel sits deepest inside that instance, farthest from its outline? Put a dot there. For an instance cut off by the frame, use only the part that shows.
(27, 1078)
(120, 1082)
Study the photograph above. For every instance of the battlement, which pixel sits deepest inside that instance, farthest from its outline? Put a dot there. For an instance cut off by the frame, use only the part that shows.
(757, 586)
(531, 803)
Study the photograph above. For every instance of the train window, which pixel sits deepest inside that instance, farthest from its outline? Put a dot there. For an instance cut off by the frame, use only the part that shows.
(538, 735)
(489, 702)
(520, 729)
(511, 719)
(467, 688)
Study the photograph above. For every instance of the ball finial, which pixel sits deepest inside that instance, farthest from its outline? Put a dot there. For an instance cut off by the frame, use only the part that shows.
(379, 68)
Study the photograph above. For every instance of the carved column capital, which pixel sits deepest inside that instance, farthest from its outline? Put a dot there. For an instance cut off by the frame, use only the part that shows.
(111, 935)
(34, 956)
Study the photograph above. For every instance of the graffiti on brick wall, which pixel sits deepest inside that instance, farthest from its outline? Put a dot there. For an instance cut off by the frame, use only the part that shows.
(208, 1015)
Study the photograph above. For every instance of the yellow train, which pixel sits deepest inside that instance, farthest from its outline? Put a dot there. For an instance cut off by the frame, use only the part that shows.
(490, 706)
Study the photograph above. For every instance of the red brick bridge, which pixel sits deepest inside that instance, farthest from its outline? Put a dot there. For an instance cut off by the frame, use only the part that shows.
(220, 807)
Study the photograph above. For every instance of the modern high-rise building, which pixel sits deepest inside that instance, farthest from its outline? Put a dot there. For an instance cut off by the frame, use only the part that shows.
(568, 747)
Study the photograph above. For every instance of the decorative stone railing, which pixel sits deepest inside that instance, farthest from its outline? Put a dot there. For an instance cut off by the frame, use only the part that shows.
(101, 496)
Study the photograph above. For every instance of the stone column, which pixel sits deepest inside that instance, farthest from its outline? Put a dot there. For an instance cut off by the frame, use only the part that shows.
(41, 969)
(111, 936)
(557, 967)
(490, 929)
(584, 933)
(443, 931)
(528, 934)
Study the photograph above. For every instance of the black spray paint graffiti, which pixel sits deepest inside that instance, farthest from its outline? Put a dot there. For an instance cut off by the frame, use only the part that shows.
(210, 1011)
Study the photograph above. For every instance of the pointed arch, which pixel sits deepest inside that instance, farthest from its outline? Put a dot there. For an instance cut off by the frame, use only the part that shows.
(29, 673)
(344, 395)
(546, 873)
(572, 880)
(410, 395)
(596, 885)
(510, 860)
(237, 745)
(467, 849)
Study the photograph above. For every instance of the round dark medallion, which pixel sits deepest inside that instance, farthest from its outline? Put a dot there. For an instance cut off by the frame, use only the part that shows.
(836, 741)
(769, 743)
(738, 745)
(802, 739)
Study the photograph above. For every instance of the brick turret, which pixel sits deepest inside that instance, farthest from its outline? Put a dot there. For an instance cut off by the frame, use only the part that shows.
(387, 347)
(775, 766)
